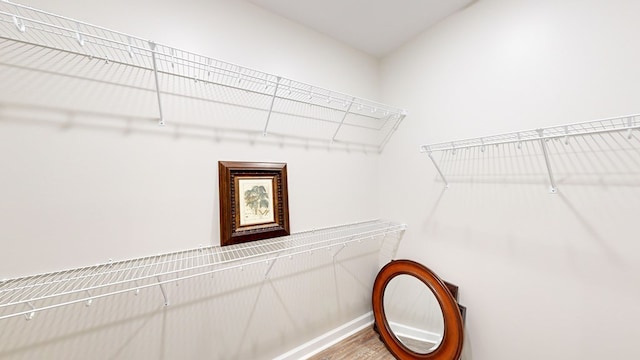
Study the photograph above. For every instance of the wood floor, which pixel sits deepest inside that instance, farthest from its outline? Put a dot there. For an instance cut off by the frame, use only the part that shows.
(364, 345)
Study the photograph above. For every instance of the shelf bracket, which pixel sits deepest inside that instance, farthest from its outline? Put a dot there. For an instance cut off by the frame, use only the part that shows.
(271, 263)
(435, 164)
(519, 144)
(79, 37)
(152, 45)
(89, 300)
(19, 23)
(553, 189)
(164, 294)
(344, 117)
(30, 315)
(401, 117)
(273, 100)
(344, 245)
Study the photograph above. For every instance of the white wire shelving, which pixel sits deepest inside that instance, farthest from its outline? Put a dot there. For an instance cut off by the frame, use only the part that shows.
(624, 125)
(26, 296)
(57, 45)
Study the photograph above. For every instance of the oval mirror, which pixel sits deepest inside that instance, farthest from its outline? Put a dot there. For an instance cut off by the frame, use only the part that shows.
(415, 314)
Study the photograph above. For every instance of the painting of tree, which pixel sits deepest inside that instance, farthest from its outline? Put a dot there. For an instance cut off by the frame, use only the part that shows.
(257, 199)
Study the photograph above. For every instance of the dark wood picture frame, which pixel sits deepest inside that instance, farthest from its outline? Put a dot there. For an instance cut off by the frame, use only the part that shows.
(261, 210)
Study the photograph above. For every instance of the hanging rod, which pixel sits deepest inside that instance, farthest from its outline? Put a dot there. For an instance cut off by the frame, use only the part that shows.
(26, 296)
(626, 123)
(39, 28)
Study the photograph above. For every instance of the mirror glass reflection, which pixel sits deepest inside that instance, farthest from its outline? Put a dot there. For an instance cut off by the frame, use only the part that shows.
(413, 314)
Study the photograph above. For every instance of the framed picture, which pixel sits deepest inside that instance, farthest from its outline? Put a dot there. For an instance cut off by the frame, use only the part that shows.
(254, 202)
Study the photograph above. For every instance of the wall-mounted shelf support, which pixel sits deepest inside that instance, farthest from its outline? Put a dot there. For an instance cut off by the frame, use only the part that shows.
(543, 143)
(273, 100)
(271, 263)
(29, 315)
(344, 117)
(25, 296)
(152, 45)
(435, 164)
(399, 117)
(162, 290)
(620, 124)
(19, 24)
(89, 299)
(79, 36)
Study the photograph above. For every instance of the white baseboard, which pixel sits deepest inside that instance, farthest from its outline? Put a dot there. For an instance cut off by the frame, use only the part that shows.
(328, 339)
(414, 333)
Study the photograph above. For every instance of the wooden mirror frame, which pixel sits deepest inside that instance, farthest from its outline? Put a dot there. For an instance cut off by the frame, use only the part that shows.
(450, 347)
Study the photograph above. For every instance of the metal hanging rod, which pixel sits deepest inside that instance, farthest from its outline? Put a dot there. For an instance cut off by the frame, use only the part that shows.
(39, 28)
(26, 296)
(625, 124)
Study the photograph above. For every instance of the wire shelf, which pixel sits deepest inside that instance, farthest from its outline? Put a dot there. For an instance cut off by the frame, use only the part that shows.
(35, 39)
(28, 295)
(623, 125)
(620, 123)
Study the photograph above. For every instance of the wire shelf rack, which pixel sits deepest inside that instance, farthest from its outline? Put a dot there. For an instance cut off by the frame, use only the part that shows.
(624, 125)
(28, 295)
(54, 44)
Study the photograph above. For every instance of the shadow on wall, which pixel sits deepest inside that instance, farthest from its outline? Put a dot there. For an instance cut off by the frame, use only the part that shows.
(68, 120)
(76, 91)
(254, 312)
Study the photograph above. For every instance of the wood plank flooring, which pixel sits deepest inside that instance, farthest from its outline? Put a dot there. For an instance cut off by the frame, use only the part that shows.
(364, 345)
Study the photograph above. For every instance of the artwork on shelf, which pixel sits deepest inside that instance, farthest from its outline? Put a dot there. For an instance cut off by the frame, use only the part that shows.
(254, 201)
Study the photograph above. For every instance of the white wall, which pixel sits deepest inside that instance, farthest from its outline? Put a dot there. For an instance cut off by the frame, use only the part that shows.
(543, 276)
(86, 178)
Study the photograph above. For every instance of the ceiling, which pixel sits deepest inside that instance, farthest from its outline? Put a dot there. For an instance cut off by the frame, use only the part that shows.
(376, 27)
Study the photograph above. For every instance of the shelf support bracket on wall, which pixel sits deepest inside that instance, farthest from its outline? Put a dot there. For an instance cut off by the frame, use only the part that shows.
(553, 188)
(435, 164)
(152, 45)
(273, 100)
(271, 263)
(164, 294)
(344, 245)
(401, 117)
(89, 300)
(344, 117)
(32, 313)
(19, 23)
